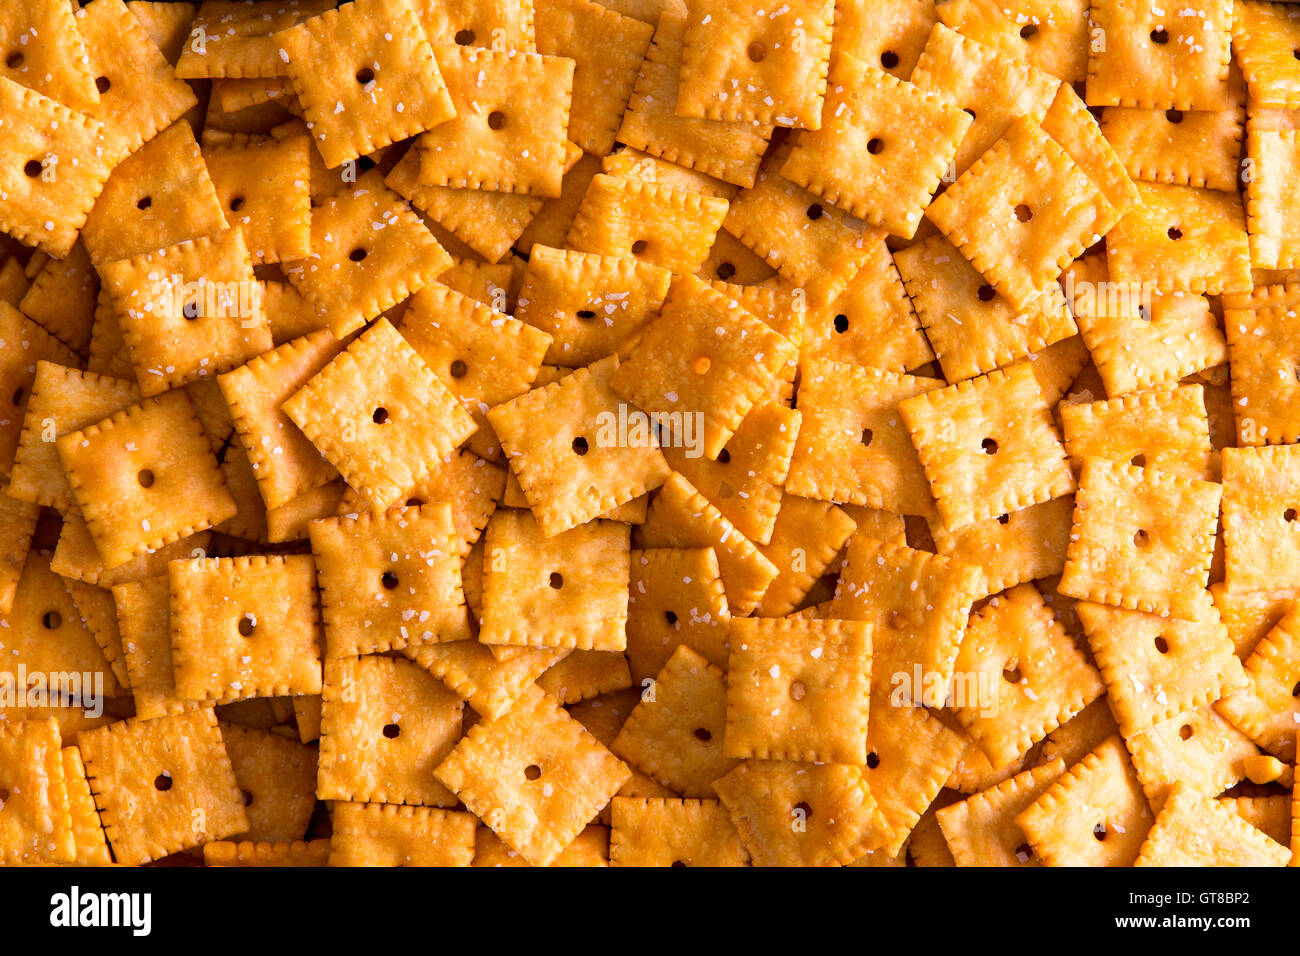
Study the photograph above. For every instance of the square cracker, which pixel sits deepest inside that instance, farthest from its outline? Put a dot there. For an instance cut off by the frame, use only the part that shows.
(988, 446)
(245, 627)
(162, 785)
(807, 538)
(756, 66)
(1195, 830)
(1188, 148)
(144, 621)
(1163, 428)
(365, 77)
(380, 416)
(857, 162)
(1270, 218)
(233, 38)
(797, 690)
(584, 675)
(703, 354)
(45, 208)
(1039, 679)
(797, 814)
(56, 64)
(378, 834)
(562, 442)
(981, 829)
(675, 597)
(1266, 710)
(188, 311)
(1075, 129)
(1050, 34)
(1198, 748)
(1023, 212)
(263, 187)
(1142, 539)
(385, 725)
(498, 24)
(1261, 355)
(490, 685)
(565, 590)
(145, 477)
(509, 131)
(1265, 37)
(653, 831)
(37, 824)
(389, 580)
(534, 775)
(1261, 495)
(276, 775)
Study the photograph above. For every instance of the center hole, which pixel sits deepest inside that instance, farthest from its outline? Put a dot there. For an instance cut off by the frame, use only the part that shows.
(357, 254)
(874, 146)
(557, 580)
(458, 369)
(1160, 36)
(1099, 831)
(1011, 675)
(841, 323)
(867, 435)
(1289, 514)
(1140, 538)
(365, 75)
(756, 51)
(532, 771)
(380, 415)
(1023, 213)
(1004, 519)
(985, 293)
(145, 477)
(14, 60)
(51, 620)
(237, 204)
(465, 37)
(162, 782)
(586, 314)
(247, 625)
(670, 617)
(388, 579)
(1174, 116)
(897, 621)
(889, 59)
(1138, 461)
(803, 808)
(815, 211)
(32, 168)
(1174, 233)
(1027, 31)
(724, 457)
(496, 119)
(580, 446)
(798, 691)
(102, 84)
(725, 271)
(639, 247)
(703, 734)
(1186, 731)
(873, 760)
(392, 731)
(990, 446)
(144, 202)
(1162, 646)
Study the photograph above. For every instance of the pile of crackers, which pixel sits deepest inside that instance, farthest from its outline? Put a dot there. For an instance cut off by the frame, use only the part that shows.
(649, 432)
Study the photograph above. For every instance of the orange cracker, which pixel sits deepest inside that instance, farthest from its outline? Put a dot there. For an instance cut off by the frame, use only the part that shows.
(365, 77)
(62, 400)
(76, 555)
(284, 461)
(888, 33)
(277, 777)
(1050, 34)
(1249, 615)
(634, 164)
(1261, 536)
(233, 38)
(583, 675)
(1138, 337)
(145, 624)
(918, 604)
(162, 785)
(1142, 539)
(675, 733)
(1266, 709)
(145, 477)
(62, 298)
(566, 590)
(1264, 39)
(380, 416)
(509, 131)
(855, 161)
(852, 446)
(99, 616)
(1022, 212)
(489, 283)
(1158, 58)
(607, 50)
(1076, 131)
(1173, 146)
(188, 311)
(369, 251)
(981, 831)
(726, 150)
(87, 833)
(580, 464)
(17, 524)
(681, 517)
(806, 538)
(1198, 748)
(704, 356)
(589, 848)
(385, 725)
(534, 775)
(1080, 734)
(797, 690)
(1275, 160)
(490, 685)
(659, 832)
(56, 64)
(1182, 239)
(730, 260)
(757, 66)
(389, 580)
(1270, 815)
(376, 834)
(499, 24)
(1027, 674)
(1094, 815)
(988, 446)
(244, 627)
(263, 190)
(590, 304)
(1162, 428)
(37, 826)
(675, 597)
(1195, 830)
(1012, 548)
(1265, 404)
(50, 192)
(312, 853)
(662, 225)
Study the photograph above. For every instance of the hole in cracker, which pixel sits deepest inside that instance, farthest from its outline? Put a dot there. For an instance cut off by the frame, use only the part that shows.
(725, 271)
(392, 731)
(1175, 233)
(1141, 538)
(867, 435)
(33, 168)
(1162, 645)
(803, 807)
(1099, 831)
(798, 691)
(1186, 731)
(841, 323)
(1174, 116)
(724, 457)
(875, 145)
(1024, 213)
(248, 798)
(532, 771)
(873, 760)
(496, 119)
(414, 502)
(1138, 461)
(51, 620)
(15, 59)
(465, 37)
(236, 204)
(144, 202)
(1295, 691)
(677, 863)
(896, 620)
(1160, 35)
(990, 446)
(1011, 675)
(4, 795)
(1289, 514)
(889, 59)
(1024, 853)
(365, 75)
(162, 782)
(670, 617)
(1004, 519)
(701, 365)
(815, 211)
(703, 734)
(756, 52)
(247, 625)
(379, 416)
(19, 395)
(357, 254)
(1296, 53)
(639, 247)
(102, 84)
(586, 314)
(985, 293)
(556, 580)
(1028, 31)
(458, 369)
(580, 446)
(388, 579)
(145, 477)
